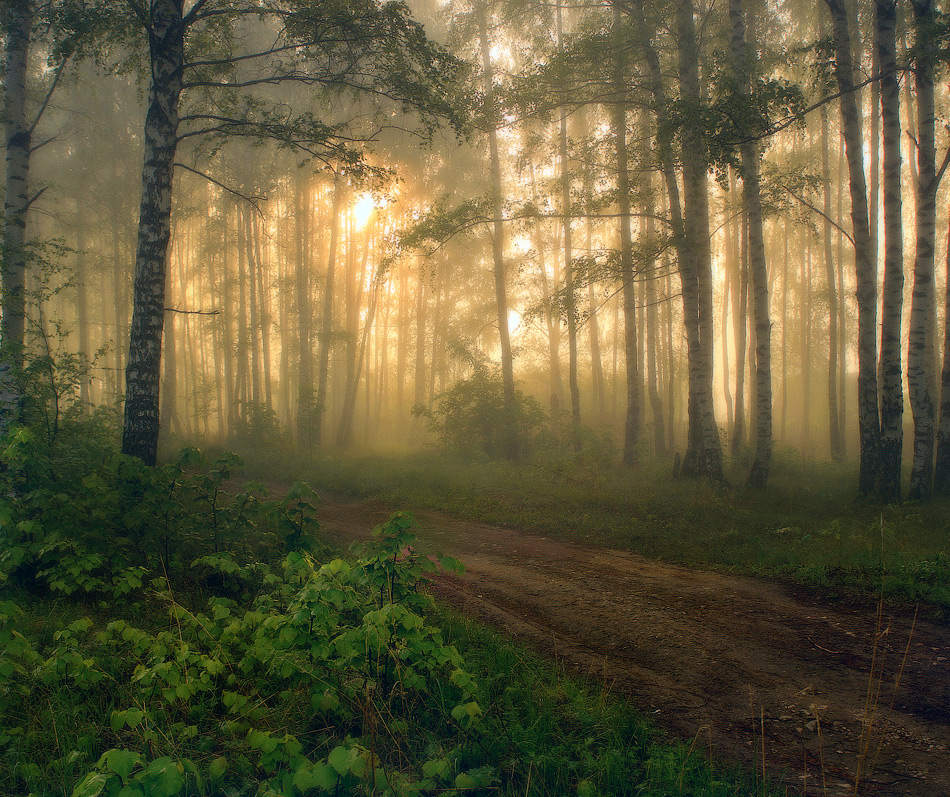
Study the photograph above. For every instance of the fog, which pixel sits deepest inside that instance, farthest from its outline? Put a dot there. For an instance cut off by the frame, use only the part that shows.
(556, 246)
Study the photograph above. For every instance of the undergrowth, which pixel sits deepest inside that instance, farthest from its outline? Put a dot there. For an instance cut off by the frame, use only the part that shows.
(163, 633)
(809, 526)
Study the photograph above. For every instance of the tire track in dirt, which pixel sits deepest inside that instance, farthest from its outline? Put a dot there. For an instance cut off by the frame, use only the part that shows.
(730, 661)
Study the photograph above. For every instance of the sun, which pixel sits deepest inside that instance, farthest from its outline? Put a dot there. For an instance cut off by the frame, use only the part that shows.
(363, 208)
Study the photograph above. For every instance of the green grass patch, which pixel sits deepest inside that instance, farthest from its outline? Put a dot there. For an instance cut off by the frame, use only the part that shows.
(810, 526)
(150, 647)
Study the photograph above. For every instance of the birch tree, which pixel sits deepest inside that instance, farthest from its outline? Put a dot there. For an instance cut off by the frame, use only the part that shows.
(205, 61)
(869, 421)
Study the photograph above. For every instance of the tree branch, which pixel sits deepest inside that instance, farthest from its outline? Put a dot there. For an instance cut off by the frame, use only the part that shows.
(831, 221)
(191, 312)
(56, 76)
(251, 200)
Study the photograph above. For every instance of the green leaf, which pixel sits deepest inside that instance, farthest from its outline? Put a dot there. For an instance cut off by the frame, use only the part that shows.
(166, 778)
(435, 768)
(91, 785)
(122, 762)
(586, 789)
(452, 564)
(316, 776)
(217, 767)
(342, 759)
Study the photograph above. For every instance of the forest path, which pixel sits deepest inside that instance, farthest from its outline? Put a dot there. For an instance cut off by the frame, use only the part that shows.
(725, 660)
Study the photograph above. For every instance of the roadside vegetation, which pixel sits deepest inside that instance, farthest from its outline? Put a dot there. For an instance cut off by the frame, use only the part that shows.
(810, 527)
(165, 633)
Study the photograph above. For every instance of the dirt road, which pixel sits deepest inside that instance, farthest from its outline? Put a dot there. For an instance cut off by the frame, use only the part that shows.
(729, 661)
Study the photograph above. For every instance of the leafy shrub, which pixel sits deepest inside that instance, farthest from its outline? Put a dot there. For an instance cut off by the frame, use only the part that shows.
(341, 653)
(471, 415)
(257, 428)
(102, 533)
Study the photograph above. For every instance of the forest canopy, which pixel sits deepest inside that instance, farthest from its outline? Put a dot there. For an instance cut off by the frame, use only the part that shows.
(707, 229)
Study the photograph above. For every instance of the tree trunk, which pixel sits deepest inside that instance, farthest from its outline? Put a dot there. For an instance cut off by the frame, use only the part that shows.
(302, 290)
(653, 378)
(263, 319)
(551, 319)
(510, 436)
(619, 109)
(257, 395)
(869, 423)
(942, 464)
(570, 301)
(695, 461)
(18, 17)
(326, 333)
(741, 326)
(707, 450)
(166, 45)
(892, 389)
(82, 303)
(834, 430)
(920, 349)
(759, 472)
(345, 431)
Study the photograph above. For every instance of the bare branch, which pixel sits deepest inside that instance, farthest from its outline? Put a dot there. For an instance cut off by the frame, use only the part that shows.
(831, 221)
(60, 67)
(251, 200)
(33, 198)
(191, 312)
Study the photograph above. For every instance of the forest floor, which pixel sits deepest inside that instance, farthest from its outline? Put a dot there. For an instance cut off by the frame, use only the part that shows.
(821, 693)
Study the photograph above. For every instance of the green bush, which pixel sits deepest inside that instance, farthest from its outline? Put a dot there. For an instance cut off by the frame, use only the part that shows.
(471, 416)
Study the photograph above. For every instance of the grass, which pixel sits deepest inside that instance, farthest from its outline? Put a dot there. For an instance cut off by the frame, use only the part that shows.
(810, 526)
(541, 734)
(568, 736)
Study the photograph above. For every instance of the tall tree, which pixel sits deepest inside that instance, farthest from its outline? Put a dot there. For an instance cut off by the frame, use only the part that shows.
(619, 122)
(892, 390)
(704, 450)
(570, 295)
(326, 327)
(365, 46)
(752, 201)
(869, 421)
(510, 432)
(920, 346)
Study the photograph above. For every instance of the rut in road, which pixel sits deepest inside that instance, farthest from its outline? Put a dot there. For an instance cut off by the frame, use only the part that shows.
(729, 661)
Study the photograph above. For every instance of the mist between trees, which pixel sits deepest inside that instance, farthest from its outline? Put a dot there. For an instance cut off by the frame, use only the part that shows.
(700, 230)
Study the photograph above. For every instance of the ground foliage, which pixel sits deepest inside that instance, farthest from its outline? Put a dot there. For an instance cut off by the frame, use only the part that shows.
(809, 527)
(163, 632)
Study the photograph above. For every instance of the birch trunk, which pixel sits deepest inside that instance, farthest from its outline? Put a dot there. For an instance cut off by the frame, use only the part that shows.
(570, 303)
(869, 423)
(834, 429)
(510, 432)
(302, 286)
(920, 349)
(166, 47)
(619, 109)
(741, 327)
(689, 286)
(551, 319)
(942, 464)
(653, 378)
(892, 390)
(326, 331)
(759, 472)
(17, 137)
(707, 450)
